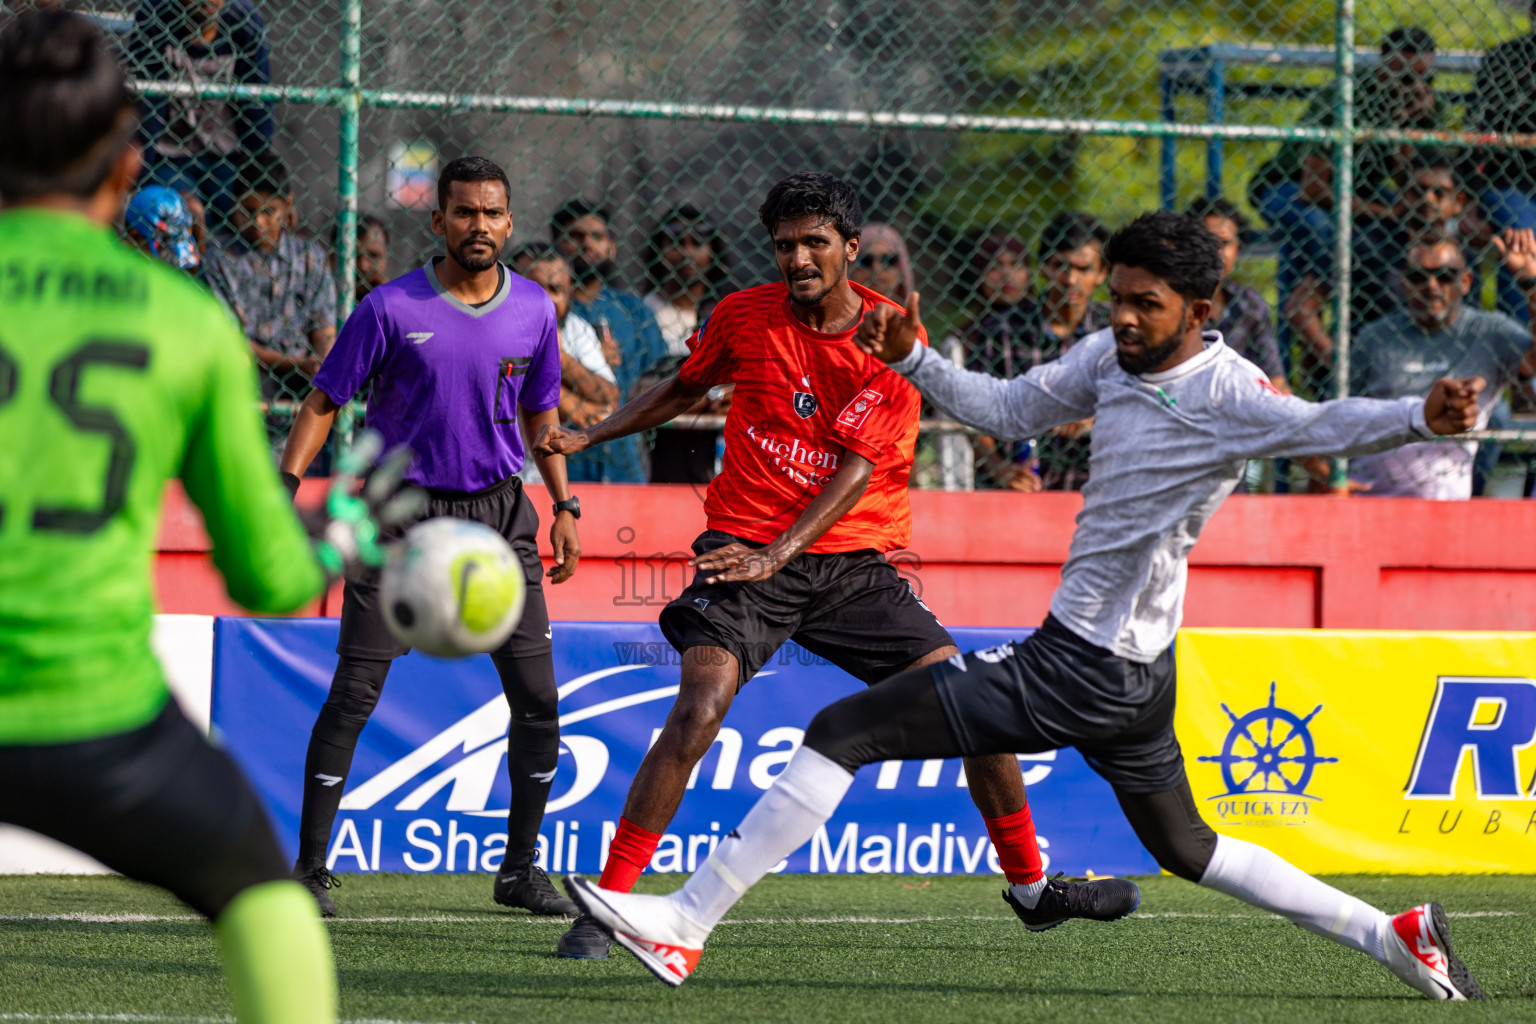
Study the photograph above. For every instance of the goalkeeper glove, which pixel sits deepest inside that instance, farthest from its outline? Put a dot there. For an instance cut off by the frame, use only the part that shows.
(349, 531)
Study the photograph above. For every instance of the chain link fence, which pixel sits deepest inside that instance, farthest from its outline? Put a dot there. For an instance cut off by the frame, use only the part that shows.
(1364, 161)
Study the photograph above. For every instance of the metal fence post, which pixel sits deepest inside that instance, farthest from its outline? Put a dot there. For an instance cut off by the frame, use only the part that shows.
(1216, 84)
(1343, 201)
(350, 107)
(1168, 177)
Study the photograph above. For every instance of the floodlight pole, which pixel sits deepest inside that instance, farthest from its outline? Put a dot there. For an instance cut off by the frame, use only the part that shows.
(1343, 201)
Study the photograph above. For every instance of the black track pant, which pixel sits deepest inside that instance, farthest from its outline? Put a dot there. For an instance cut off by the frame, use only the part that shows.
(159, 804)
(533, 751)
(904, 719)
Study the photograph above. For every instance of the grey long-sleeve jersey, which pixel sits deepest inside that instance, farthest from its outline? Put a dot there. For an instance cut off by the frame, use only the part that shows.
(1167, 449)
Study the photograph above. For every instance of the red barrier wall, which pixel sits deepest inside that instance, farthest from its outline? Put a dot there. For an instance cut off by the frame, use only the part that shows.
(993, 558)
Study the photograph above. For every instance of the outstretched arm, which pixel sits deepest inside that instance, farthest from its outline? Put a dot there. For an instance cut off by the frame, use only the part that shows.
(655, 406)
(740, 562)
(1052, 395)
(1265, 425)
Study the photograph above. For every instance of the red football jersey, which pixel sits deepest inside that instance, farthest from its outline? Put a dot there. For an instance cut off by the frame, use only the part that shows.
(803, 400)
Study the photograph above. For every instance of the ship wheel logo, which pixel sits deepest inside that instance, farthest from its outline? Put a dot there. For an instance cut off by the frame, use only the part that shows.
(1268, 750)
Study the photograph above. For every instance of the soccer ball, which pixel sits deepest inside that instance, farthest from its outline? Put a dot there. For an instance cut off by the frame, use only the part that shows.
(452, 587)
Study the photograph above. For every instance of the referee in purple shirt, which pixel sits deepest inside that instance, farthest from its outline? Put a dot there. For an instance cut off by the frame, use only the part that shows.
(462, 361)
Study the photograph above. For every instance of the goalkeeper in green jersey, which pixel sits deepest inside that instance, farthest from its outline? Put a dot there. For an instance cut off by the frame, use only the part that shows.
(116, 374)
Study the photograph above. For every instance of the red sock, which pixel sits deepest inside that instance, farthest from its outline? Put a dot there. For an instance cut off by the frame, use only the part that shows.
(1018, 853)
(631, 850)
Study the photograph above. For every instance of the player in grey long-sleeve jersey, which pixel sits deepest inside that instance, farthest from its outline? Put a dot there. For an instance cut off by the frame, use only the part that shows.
(1168, 448)
(1176, 414)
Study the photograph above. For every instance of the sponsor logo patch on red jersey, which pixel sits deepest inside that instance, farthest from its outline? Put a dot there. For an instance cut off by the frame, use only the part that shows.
(857, 411)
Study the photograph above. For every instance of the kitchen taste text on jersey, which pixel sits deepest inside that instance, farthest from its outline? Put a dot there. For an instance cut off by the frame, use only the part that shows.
(787, 454)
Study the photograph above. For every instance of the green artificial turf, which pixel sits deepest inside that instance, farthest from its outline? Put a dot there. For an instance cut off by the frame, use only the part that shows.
(822, 948)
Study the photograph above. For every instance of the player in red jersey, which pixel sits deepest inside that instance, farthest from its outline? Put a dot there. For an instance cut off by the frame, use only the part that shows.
(818, 448)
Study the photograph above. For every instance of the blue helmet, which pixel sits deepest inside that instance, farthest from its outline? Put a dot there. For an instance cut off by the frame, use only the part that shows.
(160, 216)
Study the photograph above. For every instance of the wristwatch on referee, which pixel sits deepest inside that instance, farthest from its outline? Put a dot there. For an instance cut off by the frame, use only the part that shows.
(571, 505)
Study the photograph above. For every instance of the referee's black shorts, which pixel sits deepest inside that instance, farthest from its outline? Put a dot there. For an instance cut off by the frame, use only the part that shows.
(1055, 689)
(851, 608)
(505, 508)
(159, 804)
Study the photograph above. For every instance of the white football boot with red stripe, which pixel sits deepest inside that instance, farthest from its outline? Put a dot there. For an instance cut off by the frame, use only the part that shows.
(1418, 947)
(651, 927)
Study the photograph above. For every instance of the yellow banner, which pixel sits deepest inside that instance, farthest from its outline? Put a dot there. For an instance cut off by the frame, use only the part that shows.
(1369, 751)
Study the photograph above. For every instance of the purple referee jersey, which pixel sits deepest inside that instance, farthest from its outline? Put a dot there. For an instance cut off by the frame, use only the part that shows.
(447, 377)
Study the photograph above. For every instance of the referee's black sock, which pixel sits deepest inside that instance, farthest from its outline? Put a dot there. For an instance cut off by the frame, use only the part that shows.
(354, 693)
(532, 754)
(325, 777)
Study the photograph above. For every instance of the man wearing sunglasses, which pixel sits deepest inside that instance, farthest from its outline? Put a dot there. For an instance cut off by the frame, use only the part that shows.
(1431, 199)
(1436, 336)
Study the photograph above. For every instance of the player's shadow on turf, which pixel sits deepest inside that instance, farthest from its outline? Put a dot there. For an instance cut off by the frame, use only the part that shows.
(139, 968)
(577, 982)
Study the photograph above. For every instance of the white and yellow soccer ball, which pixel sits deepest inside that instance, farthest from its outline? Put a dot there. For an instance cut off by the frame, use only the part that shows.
(452, 588)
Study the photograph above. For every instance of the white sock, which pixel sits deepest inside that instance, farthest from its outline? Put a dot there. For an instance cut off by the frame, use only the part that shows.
(783, 820)
(1028, 894)
(1256, 876)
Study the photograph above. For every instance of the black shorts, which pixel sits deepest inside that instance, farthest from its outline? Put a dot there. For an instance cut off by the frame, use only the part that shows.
(1056, 689)
(158, 804)
(505, 508)
(851, 608)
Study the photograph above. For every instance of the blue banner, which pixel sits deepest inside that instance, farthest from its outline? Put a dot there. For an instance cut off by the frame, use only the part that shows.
(428, 789)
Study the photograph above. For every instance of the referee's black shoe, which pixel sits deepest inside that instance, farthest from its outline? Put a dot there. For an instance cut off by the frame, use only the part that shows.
(527, 886)
(585, 941)
(317, 879)
(1100, 899)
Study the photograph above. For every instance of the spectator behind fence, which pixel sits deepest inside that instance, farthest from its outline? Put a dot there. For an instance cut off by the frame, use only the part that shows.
(581, 232)
(372, 268)
(999, 272)
(372, 256)
(1404, 353)
(1431, 202)
(1237, 311)
(883, 264)
(1071, 258)
(588, 388)
(278, 285)
(157, 222)
(1294, 190)
(687, 267)
(1504, 101)
(200, 144)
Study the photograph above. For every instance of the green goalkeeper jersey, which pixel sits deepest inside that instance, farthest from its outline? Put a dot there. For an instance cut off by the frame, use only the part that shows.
(117, 373)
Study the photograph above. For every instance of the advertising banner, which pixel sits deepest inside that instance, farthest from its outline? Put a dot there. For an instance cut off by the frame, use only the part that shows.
(428, 789)
(1373, 751)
